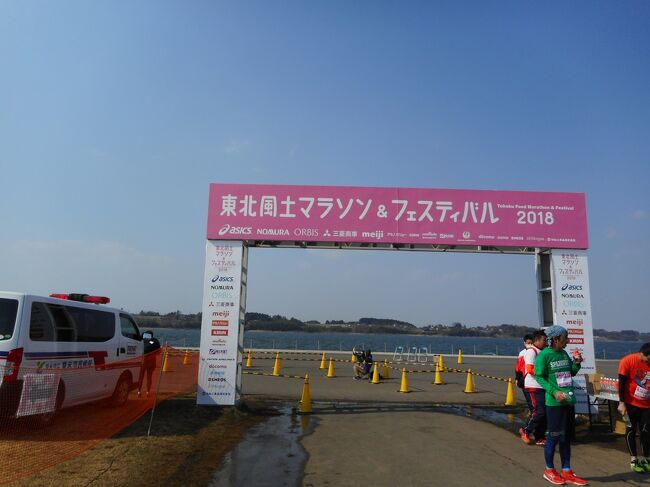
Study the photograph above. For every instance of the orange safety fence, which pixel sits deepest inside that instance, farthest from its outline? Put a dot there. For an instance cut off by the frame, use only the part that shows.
(48, 416)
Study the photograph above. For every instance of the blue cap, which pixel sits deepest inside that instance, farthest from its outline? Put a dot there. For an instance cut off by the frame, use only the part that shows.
(554, 331)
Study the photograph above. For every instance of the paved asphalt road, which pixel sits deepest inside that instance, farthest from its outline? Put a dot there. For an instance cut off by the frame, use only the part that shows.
(370, 434)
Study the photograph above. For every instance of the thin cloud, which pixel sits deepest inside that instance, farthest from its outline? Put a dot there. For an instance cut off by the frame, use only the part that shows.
(640, 215)
(235, 146)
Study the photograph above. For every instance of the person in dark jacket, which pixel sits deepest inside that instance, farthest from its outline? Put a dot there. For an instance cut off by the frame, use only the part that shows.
(149, 361)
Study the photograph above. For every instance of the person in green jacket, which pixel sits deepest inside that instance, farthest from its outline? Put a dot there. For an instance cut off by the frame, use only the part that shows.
(553, 371)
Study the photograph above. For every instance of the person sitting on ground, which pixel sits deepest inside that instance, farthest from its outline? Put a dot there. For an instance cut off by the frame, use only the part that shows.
(363, 366)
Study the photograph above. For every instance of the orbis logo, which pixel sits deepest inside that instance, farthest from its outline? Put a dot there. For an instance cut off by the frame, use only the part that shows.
(229, 230)
(571, 287)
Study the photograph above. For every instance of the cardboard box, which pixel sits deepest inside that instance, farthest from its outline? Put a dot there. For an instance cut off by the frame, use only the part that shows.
(619, 427)
(593, 384)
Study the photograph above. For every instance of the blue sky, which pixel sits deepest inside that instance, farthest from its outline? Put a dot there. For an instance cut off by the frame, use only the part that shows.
(116, 116)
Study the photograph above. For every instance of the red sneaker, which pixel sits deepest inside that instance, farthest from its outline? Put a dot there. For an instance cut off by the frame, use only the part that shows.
(553, 477)
(572, 478)
(524, 437)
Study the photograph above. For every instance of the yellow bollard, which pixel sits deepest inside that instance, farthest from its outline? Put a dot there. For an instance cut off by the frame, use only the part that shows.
(186, 357)
(305, 401)
(323, 363)
(277, 366)
(510, 395)
(165, 367)
(249, 360)
(386, 370)
(438, 377)
(441, 364)
(375, 375)
(330, 370)
(404, 387)
(469, 385)
(460, 356)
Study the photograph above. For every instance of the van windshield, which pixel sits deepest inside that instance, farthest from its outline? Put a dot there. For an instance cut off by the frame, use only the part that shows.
(8, 310)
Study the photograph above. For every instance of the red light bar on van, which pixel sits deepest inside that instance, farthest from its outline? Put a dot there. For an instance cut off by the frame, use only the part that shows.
(85, 298)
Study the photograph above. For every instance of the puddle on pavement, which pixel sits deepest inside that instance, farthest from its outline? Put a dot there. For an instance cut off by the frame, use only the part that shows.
(270, 454)
(507, 420)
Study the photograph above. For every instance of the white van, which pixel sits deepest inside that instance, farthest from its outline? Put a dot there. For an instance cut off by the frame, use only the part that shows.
(64, 350)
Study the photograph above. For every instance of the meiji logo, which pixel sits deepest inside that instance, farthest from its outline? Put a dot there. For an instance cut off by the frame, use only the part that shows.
(378, 234)
(223, 279)
(219, 333)
(571, 287)
(227, 229)
(220, 314)
(219, 322)
(575, 322)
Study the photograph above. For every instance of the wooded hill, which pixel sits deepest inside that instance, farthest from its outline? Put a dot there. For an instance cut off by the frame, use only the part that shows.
(261, 321)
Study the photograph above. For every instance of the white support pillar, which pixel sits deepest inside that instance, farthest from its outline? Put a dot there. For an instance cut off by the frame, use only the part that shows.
(222, 323)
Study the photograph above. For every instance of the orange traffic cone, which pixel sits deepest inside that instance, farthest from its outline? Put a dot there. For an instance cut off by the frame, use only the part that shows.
(165, 367)
(386, 370)
(277, 366)
(305, 401)
(330, 370)
(354, 357)
(323, 363)
(438, 377)
(510, 395)
(375, 375)
(469, 385)
(404, 387)
(249, 360)
(460, 356)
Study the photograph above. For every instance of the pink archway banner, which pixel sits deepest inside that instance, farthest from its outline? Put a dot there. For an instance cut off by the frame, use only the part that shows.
(397, 215)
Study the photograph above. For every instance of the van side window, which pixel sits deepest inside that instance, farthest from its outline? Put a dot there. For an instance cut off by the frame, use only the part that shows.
(129, 328)
(93, 325)
(41, 324)
(56, 323)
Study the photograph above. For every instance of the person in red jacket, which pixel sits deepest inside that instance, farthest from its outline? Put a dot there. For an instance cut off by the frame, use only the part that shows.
(634, 397)
(536, 422)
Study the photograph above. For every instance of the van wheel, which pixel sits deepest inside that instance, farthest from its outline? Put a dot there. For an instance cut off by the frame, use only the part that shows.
(46, 419)
(121, 392)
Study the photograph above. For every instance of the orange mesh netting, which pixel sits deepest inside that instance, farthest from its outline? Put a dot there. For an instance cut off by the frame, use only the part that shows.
(32, 438)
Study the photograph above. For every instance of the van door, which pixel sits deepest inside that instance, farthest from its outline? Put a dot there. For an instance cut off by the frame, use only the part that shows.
(130, 348)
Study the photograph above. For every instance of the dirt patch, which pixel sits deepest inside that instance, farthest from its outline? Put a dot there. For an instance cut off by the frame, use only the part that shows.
(186, 447)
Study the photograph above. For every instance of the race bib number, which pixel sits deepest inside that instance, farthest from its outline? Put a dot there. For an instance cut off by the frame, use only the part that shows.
(642, 393)
(563, 379)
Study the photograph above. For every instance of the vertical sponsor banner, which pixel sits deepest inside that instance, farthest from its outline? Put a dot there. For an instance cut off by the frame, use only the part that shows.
(218, 381)
(572, 304)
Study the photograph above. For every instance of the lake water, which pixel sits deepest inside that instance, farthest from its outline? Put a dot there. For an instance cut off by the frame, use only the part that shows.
(382, 343)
